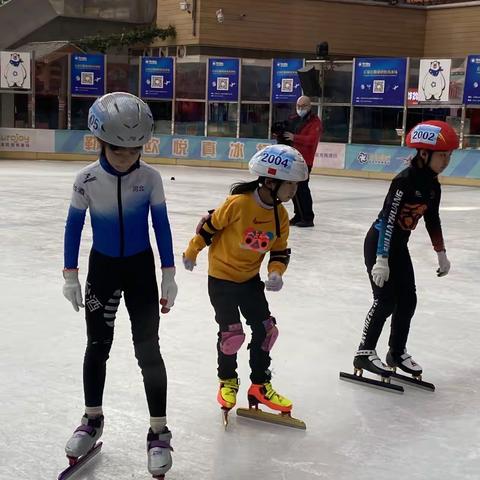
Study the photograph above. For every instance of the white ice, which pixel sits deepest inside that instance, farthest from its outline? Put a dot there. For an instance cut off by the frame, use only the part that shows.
(353, 432)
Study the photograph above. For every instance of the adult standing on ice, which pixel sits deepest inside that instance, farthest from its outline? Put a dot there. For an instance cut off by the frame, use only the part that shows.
(120, 189)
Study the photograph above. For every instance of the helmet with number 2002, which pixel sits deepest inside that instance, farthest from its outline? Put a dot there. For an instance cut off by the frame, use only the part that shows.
(121, 119)
(433, 135)
(279, 161)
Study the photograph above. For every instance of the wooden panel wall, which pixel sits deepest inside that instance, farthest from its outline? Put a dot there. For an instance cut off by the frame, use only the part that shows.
(300, 25)
(169, 13)
(452, 32)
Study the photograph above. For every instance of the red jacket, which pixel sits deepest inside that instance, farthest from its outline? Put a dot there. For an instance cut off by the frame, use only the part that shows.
(307, 138)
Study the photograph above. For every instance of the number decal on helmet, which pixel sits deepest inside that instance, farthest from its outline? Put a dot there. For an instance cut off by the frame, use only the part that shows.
(278, 160)
(93, 122)
(426, 134)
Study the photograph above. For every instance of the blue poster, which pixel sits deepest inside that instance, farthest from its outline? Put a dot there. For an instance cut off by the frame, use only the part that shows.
(223, 76)
(88, 75)
(379, 81)
(285, 82)
(471, 91)
(156, 78)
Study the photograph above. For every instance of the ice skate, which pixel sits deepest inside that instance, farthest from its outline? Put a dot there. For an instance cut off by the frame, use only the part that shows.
(84, 438)
(159, 453)
(405, 362)
(227, 396)
(265, 394)
(368, 360)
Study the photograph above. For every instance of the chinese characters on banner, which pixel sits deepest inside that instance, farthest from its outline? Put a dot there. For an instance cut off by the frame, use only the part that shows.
(379, 81)
(15, 70)
(156, 78)
(87, 75)
(471, 92)
(285, 82)
(223, 78)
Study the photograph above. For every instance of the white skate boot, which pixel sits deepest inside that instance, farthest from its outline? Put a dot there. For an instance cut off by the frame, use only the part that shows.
(84, 438)
(405, 362)
(159, 453)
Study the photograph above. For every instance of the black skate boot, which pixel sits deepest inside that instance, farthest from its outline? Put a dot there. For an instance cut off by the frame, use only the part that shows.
(403, 361)
(370, 361)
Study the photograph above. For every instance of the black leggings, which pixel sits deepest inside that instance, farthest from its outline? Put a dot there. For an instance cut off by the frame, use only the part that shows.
(107, 278)
(397, 298)
(227, 298)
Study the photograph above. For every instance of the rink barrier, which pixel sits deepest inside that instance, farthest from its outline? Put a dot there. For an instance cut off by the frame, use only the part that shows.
(357, 161)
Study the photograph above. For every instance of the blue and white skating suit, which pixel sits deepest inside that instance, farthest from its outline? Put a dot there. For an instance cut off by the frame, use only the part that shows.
(119, 203)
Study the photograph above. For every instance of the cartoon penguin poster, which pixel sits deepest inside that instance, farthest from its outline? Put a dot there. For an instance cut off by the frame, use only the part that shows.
(15, 70)
(434, 80)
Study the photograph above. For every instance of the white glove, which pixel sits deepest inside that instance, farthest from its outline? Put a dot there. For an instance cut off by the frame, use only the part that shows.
(380, 271)
(72, 289)
(169, 289)
(187, 263)
(274, 282)
(443, 264)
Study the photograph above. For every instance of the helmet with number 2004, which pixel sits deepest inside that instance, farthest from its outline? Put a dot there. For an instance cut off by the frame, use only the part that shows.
(279, 161)
(432, 135)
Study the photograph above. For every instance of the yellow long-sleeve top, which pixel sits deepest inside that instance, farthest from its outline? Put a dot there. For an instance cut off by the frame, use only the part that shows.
(242, 231)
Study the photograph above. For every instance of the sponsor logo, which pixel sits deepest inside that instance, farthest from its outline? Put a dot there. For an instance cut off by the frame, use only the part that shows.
(89, 178)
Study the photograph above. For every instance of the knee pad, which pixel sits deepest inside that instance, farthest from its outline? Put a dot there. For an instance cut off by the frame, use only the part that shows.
(271, 334)
(232, 340)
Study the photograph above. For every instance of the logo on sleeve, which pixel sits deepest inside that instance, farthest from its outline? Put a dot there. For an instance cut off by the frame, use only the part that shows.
(89, 178)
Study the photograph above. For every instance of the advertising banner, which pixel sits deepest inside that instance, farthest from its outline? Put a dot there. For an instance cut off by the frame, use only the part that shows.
(156, 78)
(330, 155)
(379, 81)
(15, 70)
(471, 92)
(434, 80)
(87, 75)
(27, 140)
(223, 78)
(375, 158)
(285, 81)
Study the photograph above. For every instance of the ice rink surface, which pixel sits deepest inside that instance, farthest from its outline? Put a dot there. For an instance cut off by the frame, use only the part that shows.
(353, 432)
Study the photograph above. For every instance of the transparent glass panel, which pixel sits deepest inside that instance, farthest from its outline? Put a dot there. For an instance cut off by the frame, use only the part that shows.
(162, 116)
(335, 124)
(337, 82)
(189, 118)
(15, 110)
(449, 115)
(122, 74)
(256, 83)
(254, 121)
(80, 107)
(190, 80)
(222, 119)
(377, 125)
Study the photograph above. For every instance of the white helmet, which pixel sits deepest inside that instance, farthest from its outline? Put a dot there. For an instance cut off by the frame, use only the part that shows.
(279, 161)
(121, 119)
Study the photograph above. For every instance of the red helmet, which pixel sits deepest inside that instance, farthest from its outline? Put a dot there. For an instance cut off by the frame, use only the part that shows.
(433, 135)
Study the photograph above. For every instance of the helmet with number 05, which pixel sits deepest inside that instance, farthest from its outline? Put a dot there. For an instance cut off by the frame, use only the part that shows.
(279, 161)
(121, 119)
(433, 135)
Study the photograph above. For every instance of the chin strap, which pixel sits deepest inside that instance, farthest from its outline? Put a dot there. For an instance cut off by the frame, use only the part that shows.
(276, 202)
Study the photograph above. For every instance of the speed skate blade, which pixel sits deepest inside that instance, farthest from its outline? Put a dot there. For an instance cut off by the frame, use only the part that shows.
(276, 418)
(73, 469)
(414, 382)
(389, 387)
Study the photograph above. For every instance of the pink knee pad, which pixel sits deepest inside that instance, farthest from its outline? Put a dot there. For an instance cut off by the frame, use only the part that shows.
(272, 334)
(231, 341)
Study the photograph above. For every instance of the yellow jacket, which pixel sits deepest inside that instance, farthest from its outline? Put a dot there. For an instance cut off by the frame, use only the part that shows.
(241, 232)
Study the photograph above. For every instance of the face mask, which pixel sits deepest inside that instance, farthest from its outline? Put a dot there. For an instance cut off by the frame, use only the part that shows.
(301, 112)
